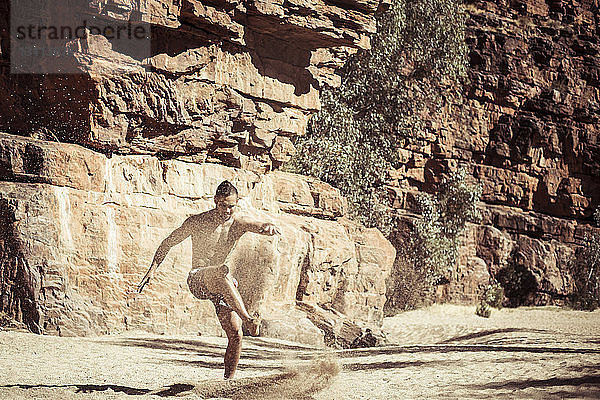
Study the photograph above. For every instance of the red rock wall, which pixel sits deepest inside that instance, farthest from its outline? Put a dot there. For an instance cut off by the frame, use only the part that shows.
(527, 125)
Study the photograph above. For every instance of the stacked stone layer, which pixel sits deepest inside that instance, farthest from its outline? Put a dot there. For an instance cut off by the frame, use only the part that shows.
(224, 81)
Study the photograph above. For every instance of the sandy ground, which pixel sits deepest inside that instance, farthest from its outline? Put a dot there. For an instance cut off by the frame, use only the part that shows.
(439, 352)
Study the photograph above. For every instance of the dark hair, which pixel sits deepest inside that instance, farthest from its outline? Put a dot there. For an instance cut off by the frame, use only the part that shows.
(225, 189)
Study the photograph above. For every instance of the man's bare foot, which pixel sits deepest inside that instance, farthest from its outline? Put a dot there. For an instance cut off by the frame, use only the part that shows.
(251, 327)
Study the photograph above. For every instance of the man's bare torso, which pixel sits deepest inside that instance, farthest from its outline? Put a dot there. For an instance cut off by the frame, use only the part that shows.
(212, 240)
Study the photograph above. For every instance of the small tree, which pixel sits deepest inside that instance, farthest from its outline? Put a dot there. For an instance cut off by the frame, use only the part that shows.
(352, 142)
(483, 309)
(493, 295)
(430, 252)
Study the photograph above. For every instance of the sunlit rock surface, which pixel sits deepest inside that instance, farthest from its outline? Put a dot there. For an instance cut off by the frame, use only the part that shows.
(224, 81)
(80, 230)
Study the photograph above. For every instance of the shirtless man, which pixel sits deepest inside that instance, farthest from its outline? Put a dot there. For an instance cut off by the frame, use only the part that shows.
(214, 233)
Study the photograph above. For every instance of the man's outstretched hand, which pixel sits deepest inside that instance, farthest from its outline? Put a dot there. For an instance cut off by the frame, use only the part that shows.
(270, 229)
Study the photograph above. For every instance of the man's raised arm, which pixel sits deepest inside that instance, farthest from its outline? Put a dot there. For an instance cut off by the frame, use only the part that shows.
(176, 237)
(263, 228)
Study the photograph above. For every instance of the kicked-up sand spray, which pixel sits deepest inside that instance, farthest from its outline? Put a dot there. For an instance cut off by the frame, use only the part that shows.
(294, 383)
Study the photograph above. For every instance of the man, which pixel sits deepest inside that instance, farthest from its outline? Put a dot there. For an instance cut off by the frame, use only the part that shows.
(214, 234)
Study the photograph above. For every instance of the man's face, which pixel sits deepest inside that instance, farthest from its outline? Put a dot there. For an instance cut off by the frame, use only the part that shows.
(225, 206)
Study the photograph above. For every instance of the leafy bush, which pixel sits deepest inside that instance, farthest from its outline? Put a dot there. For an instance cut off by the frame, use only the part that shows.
(494, 295)
(352, 142)
(429, 253)
(483, 309)
(585, 271)
(444, 217)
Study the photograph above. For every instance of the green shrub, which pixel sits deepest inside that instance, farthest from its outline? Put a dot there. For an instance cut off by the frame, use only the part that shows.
(585, 272)
(429, 254)
(416, 56)
(494, 295)
(483, 309)
(445, 214)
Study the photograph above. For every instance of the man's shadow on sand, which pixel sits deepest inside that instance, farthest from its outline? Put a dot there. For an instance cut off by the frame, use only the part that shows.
(172, 390)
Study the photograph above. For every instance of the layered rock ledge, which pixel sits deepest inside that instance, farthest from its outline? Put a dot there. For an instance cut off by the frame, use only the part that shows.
(224, 81)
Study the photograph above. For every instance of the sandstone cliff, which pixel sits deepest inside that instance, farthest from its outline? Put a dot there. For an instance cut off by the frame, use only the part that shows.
(80, 229)
(224, 81)
(230, 83)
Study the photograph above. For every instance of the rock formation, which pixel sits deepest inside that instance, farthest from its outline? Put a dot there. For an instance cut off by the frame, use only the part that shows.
(225, 82)
(97, 167)
(81, 229)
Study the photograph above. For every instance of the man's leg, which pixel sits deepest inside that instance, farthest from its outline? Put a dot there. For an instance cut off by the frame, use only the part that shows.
(217, 280)
(232, 325)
